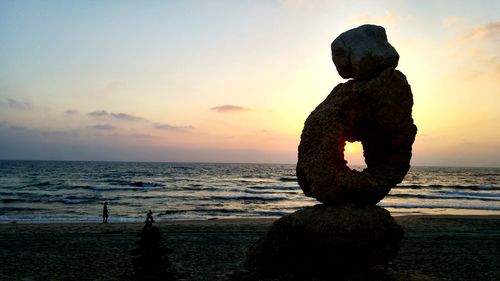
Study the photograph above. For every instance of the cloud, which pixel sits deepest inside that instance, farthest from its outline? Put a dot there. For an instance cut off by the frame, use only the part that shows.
(71, 112)
(58, 133)
(19, 105)
(490, 30)
(227, 108)
(141, 136)
(29, 132)
(99, 113)
(118, 115)
(132, 118)
(167, 127)
(126, 117)
(476, 48)
(103, 127)
(19, 128)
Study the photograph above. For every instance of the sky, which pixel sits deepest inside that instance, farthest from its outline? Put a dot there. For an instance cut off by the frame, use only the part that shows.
(233, 81)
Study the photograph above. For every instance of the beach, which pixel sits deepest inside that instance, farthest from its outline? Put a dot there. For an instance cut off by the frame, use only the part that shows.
(449, 247)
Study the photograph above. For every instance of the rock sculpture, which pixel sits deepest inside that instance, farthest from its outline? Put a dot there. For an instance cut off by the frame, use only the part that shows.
(376, 112)
(346, 233)
(363, 52)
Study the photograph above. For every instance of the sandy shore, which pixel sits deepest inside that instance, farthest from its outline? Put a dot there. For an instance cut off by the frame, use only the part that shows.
(453, 247)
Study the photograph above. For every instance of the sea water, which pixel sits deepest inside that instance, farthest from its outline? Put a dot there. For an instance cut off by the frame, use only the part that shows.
(54, 191)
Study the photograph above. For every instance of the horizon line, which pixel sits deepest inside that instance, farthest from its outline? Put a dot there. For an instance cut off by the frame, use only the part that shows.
(215, 162)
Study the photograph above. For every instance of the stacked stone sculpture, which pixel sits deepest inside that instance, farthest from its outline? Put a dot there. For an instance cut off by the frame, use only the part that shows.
(150, 259)
(348, 232)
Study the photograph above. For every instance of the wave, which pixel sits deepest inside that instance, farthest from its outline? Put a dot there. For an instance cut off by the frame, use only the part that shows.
(248, 198)
(77, 200)
(462, 193)
(485, 174)
(119, 188)
(115, 182)
(287, 179)
(169, 212)
(255, 177)
(145, 184)
(469, 187)
(47, 198)
(183, 167)
(272, 214)
(12, 200)
(250, 191)
(19, 209)
(419, 206)
(439, 197)
(200, 188)
(275, 187)
(220, 210)
(72, 201)
(39, 184)
(11, 197)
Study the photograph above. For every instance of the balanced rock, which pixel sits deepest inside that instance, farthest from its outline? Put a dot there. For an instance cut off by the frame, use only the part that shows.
(376, 112)
(363, 52)
(322, 239)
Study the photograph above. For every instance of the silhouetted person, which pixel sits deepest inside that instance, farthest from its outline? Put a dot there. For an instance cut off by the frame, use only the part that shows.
(105, 213)
(149, 220)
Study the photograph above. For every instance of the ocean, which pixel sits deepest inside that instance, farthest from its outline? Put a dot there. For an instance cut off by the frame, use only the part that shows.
(68, 191)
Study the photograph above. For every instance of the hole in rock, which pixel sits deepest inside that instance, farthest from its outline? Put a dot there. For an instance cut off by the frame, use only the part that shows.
(353, 154)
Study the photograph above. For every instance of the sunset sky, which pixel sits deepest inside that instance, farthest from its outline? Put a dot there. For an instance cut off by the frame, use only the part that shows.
(232, 81)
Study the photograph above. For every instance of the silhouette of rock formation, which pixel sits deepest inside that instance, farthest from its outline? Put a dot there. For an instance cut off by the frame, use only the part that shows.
(347, 234)
(363, 52)
(376, 112)
(325, 239)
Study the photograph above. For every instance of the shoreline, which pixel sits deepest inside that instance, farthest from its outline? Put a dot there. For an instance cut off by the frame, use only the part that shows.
(98, 221)
(443, 246)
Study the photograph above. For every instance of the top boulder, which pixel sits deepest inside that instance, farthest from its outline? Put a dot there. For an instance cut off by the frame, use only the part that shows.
(363, 53)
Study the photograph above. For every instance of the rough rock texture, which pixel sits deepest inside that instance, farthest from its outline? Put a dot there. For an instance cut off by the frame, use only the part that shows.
(325, 240)
(363, 52)
(376, 112)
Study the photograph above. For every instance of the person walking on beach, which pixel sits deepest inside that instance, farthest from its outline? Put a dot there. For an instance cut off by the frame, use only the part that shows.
(149, 220)
(105, 213)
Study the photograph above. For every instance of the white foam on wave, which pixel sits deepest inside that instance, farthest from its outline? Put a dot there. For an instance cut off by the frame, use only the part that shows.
(440, 206)
(120, 188)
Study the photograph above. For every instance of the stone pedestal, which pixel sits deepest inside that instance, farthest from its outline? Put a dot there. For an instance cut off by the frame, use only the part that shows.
(325, 239)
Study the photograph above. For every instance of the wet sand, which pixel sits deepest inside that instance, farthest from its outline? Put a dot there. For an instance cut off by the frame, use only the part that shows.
(451, 247)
